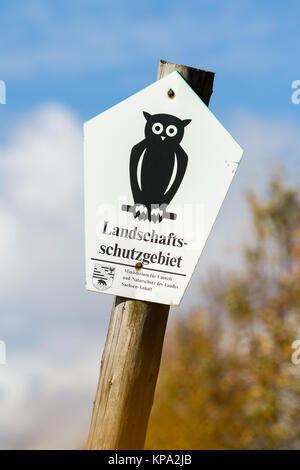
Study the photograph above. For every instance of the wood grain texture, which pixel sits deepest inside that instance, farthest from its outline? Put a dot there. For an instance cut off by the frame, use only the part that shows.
(129, 370)
(132, 352)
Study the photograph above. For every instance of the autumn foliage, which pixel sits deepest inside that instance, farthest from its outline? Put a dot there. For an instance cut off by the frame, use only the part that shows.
(227, 380)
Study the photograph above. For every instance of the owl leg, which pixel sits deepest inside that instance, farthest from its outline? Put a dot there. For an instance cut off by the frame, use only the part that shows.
(140, 212)
(157, 212)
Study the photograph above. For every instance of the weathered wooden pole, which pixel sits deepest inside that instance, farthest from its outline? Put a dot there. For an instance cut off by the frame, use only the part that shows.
(132, 352)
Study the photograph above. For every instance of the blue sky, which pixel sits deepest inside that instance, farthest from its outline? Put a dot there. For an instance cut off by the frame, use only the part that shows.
(91, 54)
(64, 62)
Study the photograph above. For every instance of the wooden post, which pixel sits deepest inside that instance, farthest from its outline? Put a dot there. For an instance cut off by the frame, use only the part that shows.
(132, 352)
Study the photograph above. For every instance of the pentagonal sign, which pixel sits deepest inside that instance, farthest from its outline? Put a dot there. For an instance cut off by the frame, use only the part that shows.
(157, 168)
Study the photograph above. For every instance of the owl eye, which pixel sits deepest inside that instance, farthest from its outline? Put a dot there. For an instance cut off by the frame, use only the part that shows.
(157, 128)
(171, 131)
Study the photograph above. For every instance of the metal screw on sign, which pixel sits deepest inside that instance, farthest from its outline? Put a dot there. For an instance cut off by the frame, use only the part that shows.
(171, 94)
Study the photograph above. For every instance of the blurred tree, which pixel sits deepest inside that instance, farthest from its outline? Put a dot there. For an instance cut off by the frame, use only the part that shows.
(227, 381)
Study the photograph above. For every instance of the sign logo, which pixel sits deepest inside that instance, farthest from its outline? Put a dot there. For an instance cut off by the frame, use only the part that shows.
(296, 354)
(103, 276)
(157, 167)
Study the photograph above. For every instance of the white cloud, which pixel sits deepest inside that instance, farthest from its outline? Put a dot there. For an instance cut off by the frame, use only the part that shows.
(54, 330)
(41, 179)
(42, 164)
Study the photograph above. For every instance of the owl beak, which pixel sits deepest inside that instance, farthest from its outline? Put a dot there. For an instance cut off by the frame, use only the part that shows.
(163, 137)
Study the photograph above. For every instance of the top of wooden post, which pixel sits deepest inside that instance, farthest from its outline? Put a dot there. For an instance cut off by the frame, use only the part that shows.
(201, 81)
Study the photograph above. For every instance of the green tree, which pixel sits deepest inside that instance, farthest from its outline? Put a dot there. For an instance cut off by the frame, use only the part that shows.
(227, 380)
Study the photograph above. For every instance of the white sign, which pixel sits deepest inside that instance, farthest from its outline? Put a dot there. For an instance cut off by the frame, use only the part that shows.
(157, 168)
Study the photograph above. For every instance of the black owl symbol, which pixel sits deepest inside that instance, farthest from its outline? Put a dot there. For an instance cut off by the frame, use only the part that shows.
(157, 167)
